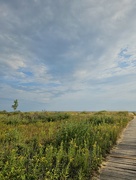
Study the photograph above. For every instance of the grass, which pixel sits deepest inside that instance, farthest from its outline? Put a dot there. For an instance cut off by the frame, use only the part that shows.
(56, 145)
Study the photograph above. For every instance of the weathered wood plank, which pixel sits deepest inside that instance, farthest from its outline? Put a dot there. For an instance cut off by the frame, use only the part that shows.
(114, 171)
(118, 176)
(124, 154)
(122, 166)
(123, 161)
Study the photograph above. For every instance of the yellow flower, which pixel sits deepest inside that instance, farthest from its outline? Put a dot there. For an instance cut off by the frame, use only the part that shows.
(43, 159)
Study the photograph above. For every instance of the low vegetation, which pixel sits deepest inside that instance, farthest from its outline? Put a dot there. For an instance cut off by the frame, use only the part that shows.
(56, 145)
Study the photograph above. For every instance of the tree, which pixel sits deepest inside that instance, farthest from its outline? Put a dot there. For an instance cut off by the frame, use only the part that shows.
(15, 105)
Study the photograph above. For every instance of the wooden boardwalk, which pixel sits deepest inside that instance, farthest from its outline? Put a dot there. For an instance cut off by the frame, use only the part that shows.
(121, 163)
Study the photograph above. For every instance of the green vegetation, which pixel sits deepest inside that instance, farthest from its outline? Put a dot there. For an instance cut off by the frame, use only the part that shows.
(134, 113)
(15, 105)
(56, 145)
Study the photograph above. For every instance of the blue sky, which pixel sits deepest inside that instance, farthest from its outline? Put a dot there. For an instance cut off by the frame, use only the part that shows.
(68, 55)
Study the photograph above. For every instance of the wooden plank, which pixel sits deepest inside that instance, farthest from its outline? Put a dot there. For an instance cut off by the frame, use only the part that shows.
(122, 161)
(126, 146)
(114, 170)
(122, 166)
(125, 154)
(117, 176)
(115, 173)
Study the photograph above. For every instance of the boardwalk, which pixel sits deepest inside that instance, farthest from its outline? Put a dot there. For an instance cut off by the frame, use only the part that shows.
(121, 163)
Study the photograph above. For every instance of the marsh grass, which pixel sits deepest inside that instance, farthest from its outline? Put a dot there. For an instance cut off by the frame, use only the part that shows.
(69, 145)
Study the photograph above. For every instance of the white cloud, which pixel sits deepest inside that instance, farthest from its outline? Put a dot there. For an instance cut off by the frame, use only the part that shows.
(15, 62)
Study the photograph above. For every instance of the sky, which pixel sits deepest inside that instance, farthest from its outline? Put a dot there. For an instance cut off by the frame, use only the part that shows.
(68, 55)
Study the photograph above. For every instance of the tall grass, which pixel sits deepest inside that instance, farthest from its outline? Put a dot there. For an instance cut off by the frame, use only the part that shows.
(56, 146)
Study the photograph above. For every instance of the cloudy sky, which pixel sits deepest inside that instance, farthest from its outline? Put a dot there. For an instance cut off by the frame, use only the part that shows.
(68, 54)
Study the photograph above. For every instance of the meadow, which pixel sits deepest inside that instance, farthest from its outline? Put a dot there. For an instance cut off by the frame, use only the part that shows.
(57, 145)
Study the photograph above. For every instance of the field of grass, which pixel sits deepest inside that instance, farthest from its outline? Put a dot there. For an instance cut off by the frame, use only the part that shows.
(56, 145)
